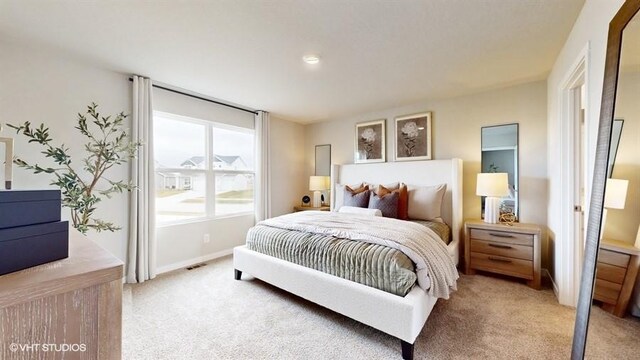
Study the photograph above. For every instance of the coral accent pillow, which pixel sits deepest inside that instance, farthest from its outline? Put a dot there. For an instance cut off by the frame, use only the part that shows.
(403, 198)
(387, 204)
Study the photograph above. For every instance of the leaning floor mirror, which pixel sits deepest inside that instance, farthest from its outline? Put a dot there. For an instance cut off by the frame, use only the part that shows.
(612, 248)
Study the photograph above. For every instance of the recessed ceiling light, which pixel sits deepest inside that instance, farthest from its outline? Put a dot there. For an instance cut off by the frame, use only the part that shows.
(311, 59)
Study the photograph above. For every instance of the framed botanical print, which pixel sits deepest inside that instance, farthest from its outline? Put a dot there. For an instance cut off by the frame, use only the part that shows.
(413, 137)
(370, 142)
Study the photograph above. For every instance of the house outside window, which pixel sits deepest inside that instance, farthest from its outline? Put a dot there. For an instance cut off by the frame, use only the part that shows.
(204, 169)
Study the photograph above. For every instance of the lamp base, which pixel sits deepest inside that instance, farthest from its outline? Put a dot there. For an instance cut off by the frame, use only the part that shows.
(317, 199)
(491, 210)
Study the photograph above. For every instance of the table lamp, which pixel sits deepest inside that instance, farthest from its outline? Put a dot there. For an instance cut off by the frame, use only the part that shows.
(615, 197)
(493, 186)
(318, 184)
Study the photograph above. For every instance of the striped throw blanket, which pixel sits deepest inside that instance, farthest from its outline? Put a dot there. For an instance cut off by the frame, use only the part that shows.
(418, 242)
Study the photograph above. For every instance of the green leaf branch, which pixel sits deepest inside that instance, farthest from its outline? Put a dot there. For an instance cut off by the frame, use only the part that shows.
(107, 146)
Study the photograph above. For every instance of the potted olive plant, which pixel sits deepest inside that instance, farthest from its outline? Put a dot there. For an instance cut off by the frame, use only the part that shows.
(83, 184)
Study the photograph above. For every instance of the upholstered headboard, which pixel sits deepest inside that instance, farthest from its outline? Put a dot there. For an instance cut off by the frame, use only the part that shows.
(413, 173)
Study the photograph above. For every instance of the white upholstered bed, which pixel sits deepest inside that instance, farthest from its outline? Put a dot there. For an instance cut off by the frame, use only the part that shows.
(402, 317)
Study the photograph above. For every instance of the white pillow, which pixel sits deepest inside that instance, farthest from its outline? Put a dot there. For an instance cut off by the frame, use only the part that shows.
(359, 210)
(339, 191)
(425, 202)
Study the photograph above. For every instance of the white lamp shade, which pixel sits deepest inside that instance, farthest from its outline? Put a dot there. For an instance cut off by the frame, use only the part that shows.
(616, 193)
(493, 184)
(318, 183)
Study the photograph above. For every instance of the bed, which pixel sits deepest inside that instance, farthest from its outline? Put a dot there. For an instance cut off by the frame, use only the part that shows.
(400, 316)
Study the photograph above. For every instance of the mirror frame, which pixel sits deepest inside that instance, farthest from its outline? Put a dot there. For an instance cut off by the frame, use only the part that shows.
(517, 166)
(607, 107)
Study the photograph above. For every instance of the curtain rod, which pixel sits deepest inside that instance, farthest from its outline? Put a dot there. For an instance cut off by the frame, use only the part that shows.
(201, 98)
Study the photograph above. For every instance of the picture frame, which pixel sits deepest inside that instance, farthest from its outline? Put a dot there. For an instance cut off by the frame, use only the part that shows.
(413, 137)
(370, 142)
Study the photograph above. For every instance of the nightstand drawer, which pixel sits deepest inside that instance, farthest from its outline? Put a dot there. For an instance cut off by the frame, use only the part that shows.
(606, 291)
(502, 265)
(502, 249)
(502, 236)
(613, 258)
(611, 273)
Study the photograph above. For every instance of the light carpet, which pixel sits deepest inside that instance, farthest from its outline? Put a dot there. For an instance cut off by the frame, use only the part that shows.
(205, 314)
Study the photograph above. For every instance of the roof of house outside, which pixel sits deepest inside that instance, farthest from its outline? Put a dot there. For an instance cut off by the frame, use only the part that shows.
(197, 160)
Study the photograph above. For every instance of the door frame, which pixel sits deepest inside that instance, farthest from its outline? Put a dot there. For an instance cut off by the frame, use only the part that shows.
(569, 249)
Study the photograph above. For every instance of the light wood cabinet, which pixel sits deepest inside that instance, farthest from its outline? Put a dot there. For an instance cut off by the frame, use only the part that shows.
(616, 272)
(74, 304)
(503, 249)
(308, 208)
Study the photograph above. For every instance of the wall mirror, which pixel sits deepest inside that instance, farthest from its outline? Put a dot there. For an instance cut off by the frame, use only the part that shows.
(500, 155)
(617, 158)
(323, 160)
(616, 133)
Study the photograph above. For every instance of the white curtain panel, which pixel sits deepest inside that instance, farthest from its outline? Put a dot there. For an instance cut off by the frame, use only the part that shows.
(141, 259)
(263, 174)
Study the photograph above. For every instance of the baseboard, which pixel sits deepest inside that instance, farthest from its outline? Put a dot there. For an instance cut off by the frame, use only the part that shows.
(200, 259)
(546, 273)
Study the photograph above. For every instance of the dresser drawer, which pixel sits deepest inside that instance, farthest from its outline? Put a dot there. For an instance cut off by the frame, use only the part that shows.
(607, 291)
(613, 258)
(502, 265)
(502, 236)
(612, 273)
(502, 249)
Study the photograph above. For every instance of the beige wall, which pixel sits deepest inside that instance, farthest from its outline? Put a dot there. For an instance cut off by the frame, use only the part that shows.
(287, 165)
(44, 86)
(456, 133)
(589, 34)
(623, 224)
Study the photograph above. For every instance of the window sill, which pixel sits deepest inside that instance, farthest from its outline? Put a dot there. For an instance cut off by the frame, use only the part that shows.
(203, 219)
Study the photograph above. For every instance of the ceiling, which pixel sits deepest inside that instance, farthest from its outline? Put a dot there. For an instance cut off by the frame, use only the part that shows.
(375, 54)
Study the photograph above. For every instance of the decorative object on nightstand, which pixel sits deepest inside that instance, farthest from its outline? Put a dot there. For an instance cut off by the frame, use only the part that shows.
(507, 250)
(616, 272)
(614, 198)
(318, 184)
(307, 208)
(493, 186)
(306, 200)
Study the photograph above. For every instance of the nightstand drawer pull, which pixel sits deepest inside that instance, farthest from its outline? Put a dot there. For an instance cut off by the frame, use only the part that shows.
(500, 246)
(501, 235)
(499, 259)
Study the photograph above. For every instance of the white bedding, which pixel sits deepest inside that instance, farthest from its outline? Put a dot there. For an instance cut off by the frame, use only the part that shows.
(437, 273)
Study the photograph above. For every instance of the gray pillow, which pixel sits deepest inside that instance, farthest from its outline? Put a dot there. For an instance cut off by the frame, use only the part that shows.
(387, 204)
(360, 199)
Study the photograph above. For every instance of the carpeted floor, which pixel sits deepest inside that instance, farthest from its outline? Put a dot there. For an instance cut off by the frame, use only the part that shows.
(205, 314)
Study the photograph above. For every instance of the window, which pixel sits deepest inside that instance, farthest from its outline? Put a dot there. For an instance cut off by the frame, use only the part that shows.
(203, 169)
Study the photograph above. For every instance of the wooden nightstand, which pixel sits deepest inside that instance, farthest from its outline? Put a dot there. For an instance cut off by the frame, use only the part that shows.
(306, 208)
(503, 249)
(616, 272)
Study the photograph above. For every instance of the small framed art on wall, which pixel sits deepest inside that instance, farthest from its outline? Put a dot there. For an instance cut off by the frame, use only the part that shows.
(413, 137)
(370, 142)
